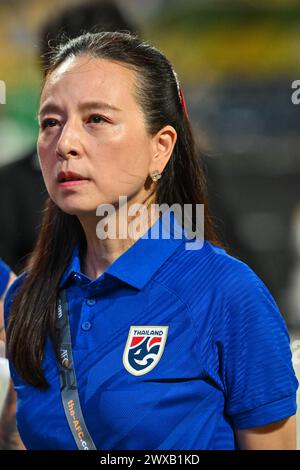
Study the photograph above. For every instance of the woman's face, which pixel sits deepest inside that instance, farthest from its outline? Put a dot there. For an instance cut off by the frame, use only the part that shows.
(92, 127)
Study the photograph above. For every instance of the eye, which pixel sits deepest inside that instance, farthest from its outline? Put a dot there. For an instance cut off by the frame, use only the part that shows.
(48, 123)
(97, 119)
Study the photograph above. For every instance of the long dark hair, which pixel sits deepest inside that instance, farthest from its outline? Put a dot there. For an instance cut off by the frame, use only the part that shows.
(33, 311)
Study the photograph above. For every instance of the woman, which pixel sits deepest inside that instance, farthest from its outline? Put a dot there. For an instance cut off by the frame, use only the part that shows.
(172, 347)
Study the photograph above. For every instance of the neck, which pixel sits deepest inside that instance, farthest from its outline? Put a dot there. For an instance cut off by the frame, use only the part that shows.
(101, 253)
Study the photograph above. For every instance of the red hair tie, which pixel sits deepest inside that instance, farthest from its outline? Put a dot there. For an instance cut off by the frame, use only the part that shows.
(183, 102)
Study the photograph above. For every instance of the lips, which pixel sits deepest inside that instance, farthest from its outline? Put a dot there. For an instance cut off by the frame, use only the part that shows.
(65, 176)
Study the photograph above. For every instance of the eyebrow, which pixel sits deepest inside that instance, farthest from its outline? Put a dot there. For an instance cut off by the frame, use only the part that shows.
(54, 108)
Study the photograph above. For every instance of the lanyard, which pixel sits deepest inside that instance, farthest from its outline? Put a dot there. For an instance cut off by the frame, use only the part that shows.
(68, 383)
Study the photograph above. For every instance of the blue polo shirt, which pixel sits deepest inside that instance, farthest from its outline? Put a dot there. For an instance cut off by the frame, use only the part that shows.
(173, 349)
(4, 276)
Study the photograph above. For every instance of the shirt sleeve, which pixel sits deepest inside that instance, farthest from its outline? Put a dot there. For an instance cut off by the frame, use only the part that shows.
(4, 276)
(256, 359)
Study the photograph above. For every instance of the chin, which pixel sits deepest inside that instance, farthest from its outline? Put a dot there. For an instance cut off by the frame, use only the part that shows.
(78, 209)
(78, 205)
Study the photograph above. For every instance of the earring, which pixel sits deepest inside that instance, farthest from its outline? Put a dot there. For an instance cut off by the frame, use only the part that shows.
(155, 175)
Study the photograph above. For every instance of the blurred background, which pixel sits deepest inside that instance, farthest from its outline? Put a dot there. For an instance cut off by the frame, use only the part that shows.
(236, 61)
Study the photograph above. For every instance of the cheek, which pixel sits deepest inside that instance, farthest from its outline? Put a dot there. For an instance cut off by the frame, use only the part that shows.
(122, 167)
(129, 152)
(46, 158)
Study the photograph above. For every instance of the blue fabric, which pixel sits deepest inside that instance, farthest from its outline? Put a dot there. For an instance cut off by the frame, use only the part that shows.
(226, 363)
(4, 276)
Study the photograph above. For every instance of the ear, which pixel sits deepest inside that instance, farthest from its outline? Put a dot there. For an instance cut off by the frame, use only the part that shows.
(163, 145)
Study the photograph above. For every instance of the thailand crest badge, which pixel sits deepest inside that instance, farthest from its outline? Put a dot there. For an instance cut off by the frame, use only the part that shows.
(144, 348)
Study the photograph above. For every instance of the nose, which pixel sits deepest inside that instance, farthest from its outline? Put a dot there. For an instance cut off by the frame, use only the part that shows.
(68, 144)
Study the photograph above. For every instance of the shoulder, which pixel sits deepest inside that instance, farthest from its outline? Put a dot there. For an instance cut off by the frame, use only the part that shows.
(220, 289)
(209, 270)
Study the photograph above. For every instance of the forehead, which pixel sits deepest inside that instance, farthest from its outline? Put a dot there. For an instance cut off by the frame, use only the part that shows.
(83, 77)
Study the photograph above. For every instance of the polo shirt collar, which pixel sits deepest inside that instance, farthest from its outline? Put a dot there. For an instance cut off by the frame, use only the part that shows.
(72, 268)
(137, 265)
